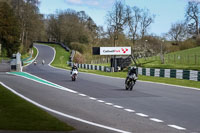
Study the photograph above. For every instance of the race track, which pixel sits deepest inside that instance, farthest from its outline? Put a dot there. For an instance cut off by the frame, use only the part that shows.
(150, 108)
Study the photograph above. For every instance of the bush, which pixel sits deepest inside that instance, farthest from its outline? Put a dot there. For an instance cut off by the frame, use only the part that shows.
(78, 47)
(3, 52)
(79, 58)
(190, 43)
(198, 41)
(172, 48)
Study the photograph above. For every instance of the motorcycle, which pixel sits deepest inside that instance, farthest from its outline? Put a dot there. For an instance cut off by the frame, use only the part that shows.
(43, 62)
(35, 62)
(74, 75)
(130, 82)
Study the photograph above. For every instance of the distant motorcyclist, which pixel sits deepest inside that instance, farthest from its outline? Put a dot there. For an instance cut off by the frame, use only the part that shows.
(35, 62)
(74, 72)
(132, 71)
(74, 68)
(43, 62)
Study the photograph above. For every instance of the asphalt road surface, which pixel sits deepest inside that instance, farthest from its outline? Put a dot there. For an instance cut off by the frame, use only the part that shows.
(150, 108)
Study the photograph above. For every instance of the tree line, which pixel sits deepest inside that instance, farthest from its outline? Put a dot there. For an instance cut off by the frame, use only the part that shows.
(187, 29)
(21, 23)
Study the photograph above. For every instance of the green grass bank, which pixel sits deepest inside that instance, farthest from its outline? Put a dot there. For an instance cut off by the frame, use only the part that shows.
(186, 59)
(18, 114)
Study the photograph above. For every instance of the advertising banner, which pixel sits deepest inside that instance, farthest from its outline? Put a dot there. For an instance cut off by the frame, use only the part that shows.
(115, 50)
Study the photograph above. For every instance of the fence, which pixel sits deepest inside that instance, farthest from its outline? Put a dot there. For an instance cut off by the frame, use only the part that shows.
(181, 59)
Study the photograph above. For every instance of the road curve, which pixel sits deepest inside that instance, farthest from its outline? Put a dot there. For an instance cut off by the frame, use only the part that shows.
(150, 108)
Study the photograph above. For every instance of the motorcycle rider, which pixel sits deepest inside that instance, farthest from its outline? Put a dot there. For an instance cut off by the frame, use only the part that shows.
(35, 62)
(43, 62)
(74, 68)
(132, 71)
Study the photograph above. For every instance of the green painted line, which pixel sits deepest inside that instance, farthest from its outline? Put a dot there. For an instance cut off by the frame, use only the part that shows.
(27, 58)
(28, 61)
(26, 75)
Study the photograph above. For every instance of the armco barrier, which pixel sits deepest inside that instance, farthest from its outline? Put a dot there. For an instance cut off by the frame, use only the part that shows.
(91, 67)
(168, 73)
(198, 76)
(171, 73)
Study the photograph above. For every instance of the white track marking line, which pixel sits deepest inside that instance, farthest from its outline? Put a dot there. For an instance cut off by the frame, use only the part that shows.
(63, 114)
(53, 56)
(108, 103)
(129, 110)
(117, 106)
(101, 101)
(156, 120)
(82, 95)
(177, 127)
(92, 98)
(141, 114)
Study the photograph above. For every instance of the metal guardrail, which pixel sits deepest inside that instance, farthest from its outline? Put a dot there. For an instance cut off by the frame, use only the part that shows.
(72, 55)
(59, 43)
(91, 67)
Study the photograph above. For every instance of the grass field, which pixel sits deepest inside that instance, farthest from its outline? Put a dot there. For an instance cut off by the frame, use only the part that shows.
(185, 59)
(60, 62)
(18, 114)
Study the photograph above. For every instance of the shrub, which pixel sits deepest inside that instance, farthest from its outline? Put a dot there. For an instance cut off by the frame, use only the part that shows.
(79, 58)
(78, 47)
(190, 43)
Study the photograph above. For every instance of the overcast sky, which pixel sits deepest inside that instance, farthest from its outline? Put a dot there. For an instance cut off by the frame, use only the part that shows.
(166, 11)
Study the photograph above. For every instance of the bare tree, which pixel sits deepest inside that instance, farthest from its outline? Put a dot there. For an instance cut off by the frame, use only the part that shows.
(193, 15)
(116, 19)
(146, 20)
(177, 32)
(133, 19)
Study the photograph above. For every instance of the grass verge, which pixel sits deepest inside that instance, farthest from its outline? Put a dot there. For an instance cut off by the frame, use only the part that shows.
(61, 57)
(18, 114)
(188, 59)
(34, 52)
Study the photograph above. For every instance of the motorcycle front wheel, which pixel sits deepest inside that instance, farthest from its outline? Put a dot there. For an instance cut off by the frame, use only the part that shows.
(130, 85)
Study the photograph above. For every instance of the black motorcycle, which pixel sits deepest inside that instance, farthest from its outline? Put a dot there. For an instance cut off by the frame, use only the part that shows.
(130, 82)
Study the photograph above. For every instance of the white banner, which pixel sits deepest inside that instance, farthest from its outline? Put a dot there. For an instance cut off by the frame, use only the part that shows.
(115, 50)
